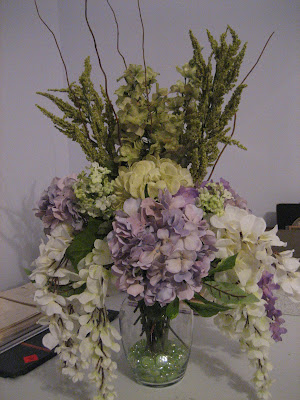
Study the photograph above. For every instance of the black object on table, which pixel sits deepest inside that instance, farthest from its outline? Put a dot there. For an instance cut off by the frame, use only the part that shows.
(29, 354)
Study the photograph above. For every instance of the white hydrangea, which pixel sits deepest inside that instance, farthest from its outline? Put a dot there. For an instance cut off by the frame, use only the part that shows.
(79, 329)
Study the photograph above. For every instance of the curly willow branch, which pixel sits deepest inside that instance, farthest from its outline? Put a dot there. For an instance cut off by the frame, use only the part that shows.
(101, 67)
(56, 42)
(144, 60)
(76, 102)
(118, 33)
(257, 61)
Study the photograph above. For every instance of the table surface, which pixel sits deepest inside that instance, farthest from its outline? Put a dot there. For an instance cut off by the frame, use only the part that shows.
(216, 370)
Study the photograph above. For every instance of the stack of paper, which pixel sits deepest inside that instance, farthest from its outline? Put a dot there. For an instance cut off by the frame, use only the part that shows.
(18, 313)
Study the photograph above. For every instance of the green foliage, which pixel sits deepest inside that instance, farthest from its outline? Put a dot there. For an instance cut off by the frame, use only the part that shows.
(223, 265)
(207, 309)
(202, 96)
(229, 293)
(27, 271)
(172, 309)
(83, 242)
(68, 290)
(86, 121)
(186, 124)
(145, 128)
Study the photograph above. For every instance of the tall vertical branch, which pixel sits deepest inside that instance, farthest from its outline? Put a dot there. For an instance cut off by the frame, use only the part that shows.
(118, 33)
(76, 100)
(144, 60)
(259, 57)
(102, 69)
(56, 42)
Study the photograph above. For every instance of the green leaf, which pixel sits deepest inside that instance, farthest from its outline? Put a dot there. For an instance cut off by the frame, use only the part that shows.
(28, 272)
(198, 296)
(221, 307)
(83, 243)
(173, 309)
(229, 293)
(67, 291)
(224, 265)
(206, 310)
(104, 228)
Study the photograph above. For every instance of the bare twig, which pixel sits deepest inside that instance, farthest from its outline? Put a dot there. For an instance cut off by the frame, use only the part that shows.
(56, 42)
(221, 152)
(76, 100)
(118, 33)
(257, 61)
(101, 67)
(144, 60)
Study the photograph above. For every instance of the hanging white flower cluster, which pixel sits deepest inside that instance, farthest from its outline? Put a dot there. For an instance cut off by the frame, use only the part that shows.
(73, 304)
(286, 275)
(240, 232)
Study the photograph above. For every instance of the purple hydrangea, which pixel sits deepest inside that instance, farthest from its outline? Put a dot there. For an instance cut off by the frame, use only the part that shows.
(58, 204)
(267, 285)
(236, 200)
(161, 249)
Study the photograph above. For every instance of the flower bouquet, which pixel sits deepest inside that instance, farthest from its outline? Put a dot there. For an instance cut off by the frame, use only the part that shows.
(142, 217)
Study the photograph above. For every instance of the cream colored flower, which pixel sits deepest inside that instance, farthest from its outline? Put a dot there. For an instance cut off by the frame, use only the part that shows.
(286, 274)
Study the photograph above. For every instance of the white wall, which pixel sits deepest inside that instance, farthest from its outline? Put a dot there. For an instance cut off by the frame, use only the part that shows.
(266, 174)
(31, 152)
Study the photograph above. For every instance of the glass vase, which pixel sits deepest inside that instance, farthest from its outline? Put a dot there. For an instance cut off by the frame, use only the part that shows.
(156, 347)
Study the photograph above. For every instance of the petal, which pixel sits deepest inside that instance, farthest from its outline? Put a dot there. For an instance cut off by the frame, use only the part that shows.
(173, 265)
(50, 341)
(135, 289)
(252, 225)
(53, 308)
(131, 206)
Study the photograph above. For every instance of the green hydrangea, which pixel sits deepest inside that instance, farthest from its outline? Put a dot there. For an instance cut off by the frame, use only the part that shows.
(94, 192)
(212, 198)
(145, 178)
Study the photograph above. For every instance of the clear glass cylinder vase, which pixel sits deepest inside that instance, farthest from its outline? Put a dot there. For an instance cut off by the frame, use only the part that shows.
(156, 347)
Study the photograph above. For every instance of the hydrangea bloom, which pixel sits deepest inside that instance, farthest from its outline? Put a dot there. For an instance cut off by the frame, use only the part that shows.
(236, 200)
(95, 192)
(151, 175)
(215, 196)
(212, 198)
(58, 204)
(161, 249)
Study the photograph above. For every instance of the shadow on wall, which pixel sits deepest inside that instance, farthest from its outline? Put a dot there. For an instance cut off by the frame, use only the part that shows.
(270, 218)
(23, 232)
